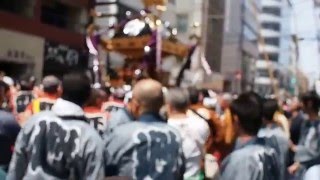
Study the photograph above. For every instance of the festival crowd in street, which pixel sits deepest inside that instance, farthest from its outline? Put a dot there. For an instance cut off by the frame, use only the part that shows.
(66, 129)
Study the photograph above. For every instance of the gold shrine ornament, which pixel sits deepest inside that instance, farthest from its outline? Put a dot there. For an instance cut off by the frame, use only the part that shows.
(149, 3)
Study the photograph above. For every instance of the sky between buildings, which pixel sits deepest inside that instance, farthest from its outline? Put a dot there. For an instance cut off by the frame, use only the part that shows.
(306, 28)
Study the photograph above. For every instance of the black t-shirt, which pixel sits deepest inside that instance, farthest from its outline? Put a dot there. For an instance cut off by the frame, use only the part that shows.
(295, 129)
(9, 130)
(23, 99)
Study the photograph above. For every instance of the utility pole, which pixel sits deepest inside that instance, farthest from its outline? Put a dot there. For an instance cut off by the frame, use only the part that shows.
(316, 4)
(242, 16)
(295, 64)
(295, 40)
(204, 26)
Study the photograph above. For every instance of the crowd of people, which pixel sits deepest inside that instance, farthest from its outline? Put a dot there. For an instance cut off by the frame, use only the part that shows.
(66, 129)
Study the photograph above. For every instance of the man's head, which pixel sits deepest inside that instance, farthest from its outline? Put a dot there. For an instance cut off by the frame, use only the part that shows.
(76, 88)
(147, 97)
(225, 100)
(311, 102)
(118, 94)
(295, 104)
(97, 98)
(247, 113)
(51, 85)
(26, 83)
(177, 100)
(270, 107)
(194, 95)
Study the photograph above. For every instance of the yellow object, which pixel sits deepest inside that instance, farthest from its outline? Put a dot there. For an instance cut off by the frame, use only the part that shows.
(230, 134)
(148, 3)
(36, 106)
(283, 122)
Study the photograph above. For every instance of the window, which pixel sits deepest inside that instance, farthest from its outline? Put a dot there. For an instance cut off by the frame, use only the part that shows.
(265, 73)
(272, 10)
(272, 41)
(272, 57)
(182, 23)
(64, 16)
(24, 8)
(271, 26)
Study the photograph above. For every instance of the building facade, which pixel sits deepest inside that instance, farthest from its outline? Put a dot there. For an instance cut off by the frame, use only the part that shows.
(231, 45)
(269, 47)
(42, 31)
(317, 22)
(278, 45)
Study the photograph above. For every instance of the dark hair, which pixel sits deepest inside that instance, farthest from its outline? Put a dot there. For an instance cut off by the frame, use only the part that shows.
(270, 107)
(194, 95)
(178, 98)
(248, 108)
(26, 83)
(94, 96)
(113, 74)
(313, 98)
(51, 84)
(4, 86)
(106, 89)
(76, 87)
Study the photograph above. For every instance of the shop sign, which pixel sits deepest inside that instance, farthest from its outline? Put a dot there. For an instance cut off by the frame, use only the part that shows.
(19, 56)
(61, 54)
(20, 48)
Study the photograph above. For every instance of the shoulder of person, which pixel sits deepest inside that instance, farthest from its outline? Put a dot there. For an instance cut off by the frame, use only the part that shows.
(239, 157)
(4, 115)
(199, 121)
(128, 129)
(254, 153)
(280, 117)
(92, 135)
(123, 129)
(251, 159)
(9, 122)
(120, 113)
(41, 116)
(126, 136)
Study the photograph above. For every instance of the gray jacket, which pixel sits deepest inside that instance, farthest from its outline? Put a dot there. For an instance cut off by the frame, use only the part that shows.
(308, 149)
(58, 145)
(148, 149)
(255, 160)
(118, 118)
(282, 143)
